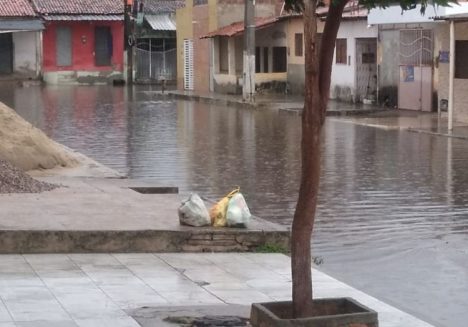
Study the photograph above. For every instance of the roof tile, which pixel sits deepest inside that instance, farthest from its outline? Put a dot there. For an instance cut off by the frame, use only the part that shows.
(16, 8)
(75, 7)
(162, 6)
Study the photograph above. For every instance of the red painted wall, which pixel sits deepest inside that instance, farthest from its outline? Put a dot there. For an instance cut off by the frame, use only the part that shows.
(83, 52)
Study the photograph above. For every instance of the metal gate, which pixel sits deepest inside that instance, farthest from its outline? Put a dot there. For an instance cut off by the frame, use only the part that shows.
(366, 69)
(188, 64)
(416, 53)
(156, 60)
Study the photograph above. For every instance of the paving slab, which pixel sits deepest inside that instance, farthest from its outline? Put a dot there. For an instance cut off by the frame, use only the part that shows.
(107, 215)
(141, 289)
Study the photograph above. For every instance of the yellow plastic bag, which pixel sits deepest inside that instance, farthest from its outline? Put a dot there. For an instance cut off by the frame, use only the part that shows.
(218, 211)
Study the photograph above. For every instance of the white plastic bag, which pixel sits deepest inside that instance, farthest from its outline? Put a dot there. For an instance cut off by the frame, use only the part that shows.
(238, 213)
(193, 212)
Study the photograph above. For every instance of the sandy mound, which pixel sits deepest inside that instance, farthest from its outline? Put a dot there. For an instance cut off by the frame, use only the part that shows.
(14, 180)
(27, 147)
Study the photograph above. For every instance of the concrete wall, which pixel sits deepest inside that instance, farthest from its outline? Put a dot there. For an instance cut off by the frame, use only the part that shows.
(343, 78)
(460, 85)
(25, 57)
(296, 74)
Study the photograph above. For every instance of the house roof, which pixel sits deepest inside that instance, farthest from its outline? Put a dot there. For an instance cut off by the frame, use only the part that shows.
(152, 7)
(161, 22)
(238, 27)
(78, 7)
(16, 8)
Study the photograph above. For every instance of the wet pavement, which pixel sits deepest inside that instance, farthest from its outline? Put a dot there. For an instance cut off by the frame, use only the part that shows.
(393, 211)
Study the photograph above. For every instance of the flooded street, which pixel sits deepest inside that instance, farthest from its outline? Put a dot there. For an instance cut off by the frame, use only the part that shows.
(393, 212)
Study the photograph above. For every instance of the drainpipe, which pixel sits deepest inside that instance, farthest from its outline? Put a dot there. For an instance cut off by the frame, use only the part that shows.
(451, 75)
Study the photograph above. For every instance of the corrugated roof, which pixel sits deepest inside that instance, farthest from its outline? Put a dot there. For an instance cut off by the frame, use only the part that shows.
(166, 6)
(16, 8)
(83, 17)
(12, 25)
(238, 27)
(84, 7)
(161, 22)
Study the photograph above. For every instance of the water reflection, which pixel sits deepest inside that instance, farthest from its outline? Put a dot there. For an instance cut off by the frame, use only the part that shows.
(393, 211)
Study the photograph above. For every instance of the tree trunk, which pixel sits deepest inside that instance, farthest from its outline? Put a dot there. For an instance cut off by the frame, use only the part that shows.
(317, 85)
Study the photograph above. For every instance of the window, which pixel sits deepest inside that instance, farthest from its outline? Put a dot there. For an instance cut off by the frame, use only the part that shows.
(265, 60)
(341, 52)
(223, 55)
(102, 46)
(279, 59)
(461, 65)
(64, 46)
(298, 45)
(199, 2)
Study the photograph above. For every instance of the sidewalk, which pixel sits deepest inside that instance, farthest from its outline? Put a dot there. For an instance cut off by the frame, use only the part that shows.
(117, 290)
(413, 121)
(290, 103)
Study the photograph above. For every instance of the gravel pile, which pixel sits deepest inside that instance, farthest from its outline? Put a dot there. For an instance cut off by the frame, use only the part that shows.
(14, 180)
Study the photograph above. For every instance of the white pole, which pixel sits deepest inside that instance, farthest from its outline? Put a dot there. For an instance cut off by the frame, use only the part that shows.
(451, 75)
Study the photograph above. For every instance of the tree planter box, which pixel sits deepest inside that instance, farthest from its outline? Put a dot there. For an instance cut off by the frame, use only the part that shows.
(339, 312)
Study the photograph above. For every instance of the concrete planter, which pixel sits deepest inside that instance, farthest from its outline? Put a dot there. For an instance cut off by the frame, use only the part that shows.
(339, 312)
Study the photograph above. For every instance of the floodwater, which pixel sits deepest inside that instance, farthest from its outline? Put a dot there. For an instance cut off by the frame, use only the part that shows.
(393, 212)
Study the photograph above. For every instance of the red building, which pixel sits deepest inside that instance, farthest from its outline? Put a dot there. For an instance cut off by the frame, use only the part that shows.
(82, 40)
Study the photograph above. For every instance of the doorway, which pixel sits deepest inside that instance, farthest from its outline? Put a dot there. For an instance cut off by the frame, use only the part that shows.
(366, 69)
(6, 53)
(415, 84)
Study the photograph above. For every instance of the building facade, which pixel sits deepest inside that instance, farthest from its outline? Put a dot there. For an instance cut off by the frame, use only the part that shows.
(82, 41)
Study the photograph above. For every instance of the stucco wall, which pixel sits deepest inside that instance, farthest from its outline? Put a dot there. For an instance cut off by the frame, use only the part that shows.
(83, 51)
(343, 78)
(460, 85)
(25, 53)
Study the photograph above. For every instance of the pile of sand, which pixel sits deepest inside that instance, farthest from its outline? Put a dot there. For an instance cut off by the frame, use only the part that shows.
(27, 147)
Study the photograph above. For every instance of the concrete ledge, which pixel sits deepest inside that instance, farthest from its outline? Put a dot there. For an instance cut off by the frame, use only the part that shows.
(107, 215)
(33, 241)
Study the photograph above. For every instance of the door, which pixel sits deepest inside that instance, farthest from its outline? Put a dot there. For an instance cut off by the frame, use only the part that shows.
(102, 46)
(64, 46)
(415, 85)
(188, 64)
(6, 53)
(366, 69)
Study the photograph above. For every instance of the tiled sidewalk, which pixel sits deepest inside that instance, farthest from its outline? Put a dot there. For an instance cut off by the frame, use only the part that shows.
(96, 289)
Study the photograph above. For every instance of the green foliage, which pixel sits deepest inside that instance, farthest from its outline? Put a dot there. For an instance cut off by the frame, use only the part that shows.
(271, 248)
(298, 5)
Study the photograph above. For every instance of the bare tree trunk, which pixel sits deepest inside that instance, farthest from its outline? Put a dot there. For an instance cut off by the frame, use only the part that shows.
(317, 85)
(305, 210)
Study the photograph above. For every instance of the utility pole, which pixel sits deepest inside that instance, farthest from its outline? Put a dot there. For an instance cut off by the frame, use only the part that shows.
(128, 39)
(248, 87)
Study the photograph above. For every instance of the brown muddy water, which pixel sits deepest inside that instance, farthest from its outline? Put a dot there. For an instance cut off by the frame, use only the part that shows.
(393, 212)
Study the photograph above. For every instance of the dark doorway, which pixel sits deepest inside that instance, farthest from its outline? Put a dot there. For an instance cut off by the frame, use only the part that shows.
(6, 53)
(103, 46)
(279, 59)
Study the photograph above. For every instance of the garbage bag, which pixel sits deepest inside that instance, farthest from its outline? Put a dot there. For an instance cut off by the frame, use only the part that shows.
(218, 211)
(238, 213)
(193, 212)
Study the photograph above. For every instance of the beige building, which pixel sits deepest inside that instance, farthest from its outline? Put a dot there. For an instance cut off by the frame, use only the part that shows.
(195, 56)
